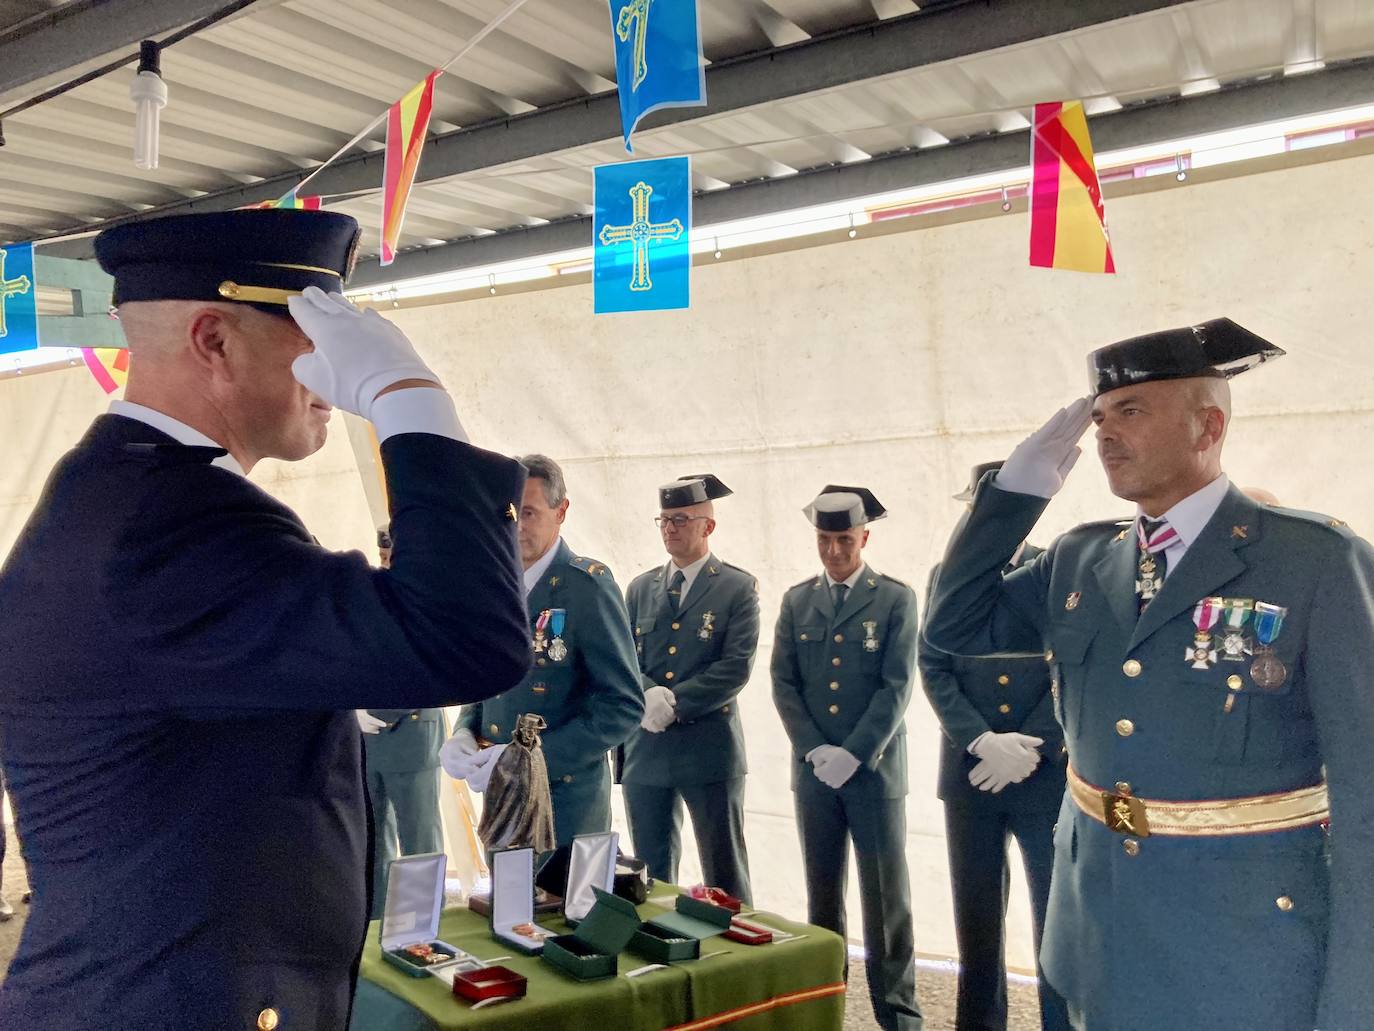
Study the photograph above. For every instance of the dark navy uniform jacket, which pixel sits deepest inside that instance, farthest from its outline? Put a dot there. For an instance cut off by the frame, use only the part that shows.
(181, 661)
(1271, 931)
(1000, 694)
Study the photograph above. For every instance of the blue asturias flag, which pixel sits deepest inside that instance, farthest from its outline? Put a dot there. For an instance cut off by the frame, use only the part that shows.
(658, 59)
(641, 230)
(18, 299)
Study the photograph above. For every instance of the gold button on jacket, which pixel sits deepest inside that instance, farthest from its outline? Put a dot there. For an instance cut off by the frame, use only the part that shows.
(268, 1020)
(1131, 667)
(1125, 728)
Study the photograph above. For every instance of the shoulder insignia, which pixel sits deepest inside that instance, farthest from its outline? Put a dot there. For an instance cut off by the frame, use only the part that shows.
(1339, 526)
(590, 566)
(893, 579)
(813, 582)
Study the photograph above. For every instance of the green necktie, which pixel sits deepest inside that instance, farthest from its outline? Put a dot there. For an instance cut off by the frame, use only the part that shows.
(675, 589)
(838, 593)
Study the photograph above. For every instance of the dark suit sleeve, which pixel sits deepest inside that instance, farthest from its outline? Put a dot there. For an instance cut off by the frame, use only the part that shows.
(725, 678)
(887, 708)
(974, 608)
(787, 688)
(240, 609)
(960, 719)
(1338, 655)
(614, 701)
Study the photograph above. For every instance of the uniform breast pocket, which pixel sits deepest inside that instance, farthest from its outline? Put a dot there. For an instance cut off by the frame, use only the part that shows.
(808, 640)
(643, 627)
(1068, 657)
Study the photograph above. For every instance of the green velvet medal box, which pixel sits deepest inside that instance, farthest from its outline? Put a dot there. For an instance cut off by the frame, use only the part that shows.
(512, 900)
(409, 928)
(679, 934)
(591, 953)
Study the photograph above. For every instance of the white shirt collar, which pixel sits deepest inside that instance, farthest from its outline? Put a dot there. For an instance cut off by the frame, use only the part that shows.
(853, 578)
(689, 573)
(1193, 513)
(176, 429)
(536, 572)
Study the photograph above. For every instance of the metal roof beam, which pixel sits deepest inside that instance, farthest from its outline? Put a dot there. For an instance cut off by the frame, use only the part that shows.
(59, 43)
(1343, 86)
(944, 33)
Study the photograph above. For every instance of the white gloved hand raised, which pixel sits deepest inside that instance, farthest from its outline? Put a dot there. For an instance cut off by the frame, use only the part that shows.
(1006, 759)
(1040, 463)
(834, 765)
(357, 355)
(368, 723)
(659, 712)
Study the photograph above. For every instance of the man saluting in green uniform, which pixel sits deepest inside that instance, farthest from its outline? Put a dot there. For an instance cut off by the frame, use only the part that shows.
(1211, 660)
(844, 658)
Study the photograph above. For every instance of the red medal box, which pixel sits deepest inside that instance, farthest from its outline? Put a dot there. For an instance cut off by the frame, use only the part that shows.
(490, 983)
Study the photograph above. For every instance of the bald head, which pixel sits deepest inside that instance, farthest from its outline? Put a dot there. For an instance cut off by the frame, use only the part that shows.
(225, 370)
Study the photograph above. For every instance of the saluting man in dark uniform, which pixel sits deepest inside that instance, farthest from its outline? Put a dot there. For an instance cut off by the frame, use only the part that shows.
(182, 661)
(1002, 763)
(696, 626)
(844, 659)
(1212, 660)
(584, 682)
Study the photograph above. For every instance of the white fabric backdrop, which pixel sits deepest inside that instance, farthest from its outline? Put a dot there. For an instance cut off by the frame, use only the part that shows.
(895, 362)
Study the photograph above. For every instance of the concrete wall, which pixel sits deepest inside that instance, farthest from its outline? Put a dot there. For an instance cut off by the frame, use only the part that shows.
(894, 362)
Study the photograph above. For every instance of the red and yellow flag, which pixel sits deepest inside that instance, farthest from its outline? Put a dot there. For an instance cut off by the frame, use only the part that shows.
(1068, 221)
(109, 366)
(407, 124)
(290, 200)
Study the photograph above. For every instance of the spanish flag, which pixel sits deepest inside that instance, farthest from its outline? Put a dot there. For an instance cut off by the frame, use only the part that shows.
(407, 124)
(1068, 221)
(109, 366)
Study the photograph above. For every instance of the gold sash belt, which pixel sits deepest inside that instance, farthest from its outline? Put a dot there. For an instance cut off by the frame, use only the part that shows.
(1258, 814)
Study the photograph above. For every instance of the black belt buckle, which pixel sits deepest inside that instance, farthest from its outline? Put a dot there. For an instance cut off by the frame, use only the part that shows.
(1125, 814)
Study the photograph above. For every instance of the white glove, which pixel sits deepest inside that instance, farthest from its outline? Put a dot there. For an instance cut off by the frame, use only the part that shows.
(368, 723)
(475, 768)
(457, 748)
(357, 355)
(1040, 463)
(658, 709)
(833, 766)
(1006, 759)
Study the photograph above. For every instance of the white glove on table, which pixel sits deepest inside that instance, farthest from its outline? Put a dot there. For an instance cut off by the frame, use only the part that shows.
(357, 355)
(659, 711)
(832, 765)
(368, 723)
(1006, 759)
(1040, 463)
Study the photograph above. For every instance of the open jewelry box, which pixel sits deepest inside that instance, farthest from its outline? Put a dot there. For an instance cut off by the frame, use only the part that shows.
(409, 930)
(512, 900)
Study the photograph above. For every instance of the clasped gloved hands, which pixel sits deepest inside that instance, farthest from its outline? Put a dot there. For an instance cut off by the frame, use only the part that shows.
(832, 765)
(1005, 759)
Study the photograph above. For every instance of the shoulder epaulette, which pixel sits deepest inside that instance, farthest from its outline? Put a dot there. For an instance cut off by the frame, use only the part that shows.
(810, 581)
(1339, 526)
(590, 566)
(893, 579)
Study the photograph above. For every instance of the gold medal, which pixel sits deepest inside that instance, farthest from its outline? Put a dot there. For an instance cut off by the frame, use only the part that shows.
(1268, 671)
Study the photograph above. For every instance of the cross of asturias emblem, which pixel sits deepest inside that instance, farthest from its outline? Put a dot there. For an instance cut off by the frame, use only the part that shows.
(9, 288)
(634, 17)
(641, 232)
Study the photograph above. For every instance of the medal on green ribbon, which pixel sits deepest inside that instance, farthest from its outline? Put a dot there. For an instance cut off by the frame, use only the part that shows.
(1267, 671)
(1235, 642)
(1202, 654)
(558, 650)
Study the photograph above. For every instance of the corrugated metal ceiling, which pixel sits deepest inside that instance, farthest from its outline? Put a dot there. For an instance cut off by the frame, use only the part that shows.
(285, 84)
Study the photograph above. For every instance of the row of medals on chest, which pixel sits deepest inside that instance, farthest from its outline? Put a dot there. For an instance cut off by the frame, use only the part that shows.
(1229, 617)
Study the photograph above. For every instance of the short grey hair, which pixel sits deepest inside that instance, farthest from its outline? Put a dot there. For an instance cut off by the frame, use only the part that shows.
(542, 467)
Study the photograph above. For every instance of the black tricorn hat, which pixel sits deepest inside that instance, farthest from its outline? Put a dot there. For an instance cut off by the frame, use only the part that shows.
(843, 508)
(1219, 348)
(975, 476)
(692, 490)
(257, 257)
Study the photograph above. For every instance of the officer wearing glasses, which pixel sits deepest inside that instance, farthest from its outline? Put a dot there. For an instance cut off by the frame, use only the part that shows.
(696, 627)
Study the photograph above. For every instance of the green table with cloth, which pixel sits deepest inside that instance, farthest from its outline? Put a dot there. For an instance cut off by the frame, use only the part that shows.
(794, 984)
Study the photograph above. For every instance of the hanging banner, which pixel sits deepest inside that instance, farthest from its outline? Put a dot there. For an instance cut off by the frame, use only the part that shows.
(18, 299)
(658, 60)
(642, 260)
(1068, 219)
(407, 125)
